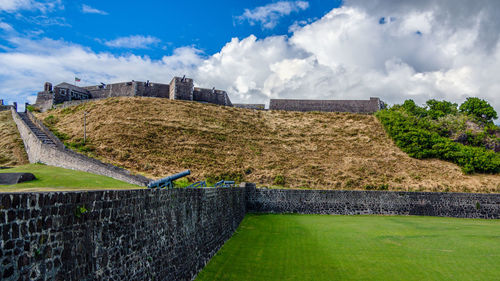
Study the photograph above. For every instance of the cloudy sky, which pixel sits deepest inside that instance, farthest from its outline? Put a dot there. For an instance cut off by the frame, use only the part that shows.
(256, 50)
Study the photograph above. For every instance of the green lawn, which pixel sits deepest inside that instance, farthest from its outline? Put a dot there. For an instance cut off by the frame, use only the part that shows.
(51, 178)
(322, 247)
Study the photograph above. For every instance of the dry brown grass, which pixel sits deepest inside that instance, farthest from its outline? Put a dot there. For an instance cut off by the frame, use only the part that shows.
(157, 137)
(11, 145)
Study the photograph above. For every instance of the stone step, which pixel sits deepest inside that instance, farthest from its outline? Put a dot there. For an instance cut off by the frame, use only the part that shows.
(36, 131)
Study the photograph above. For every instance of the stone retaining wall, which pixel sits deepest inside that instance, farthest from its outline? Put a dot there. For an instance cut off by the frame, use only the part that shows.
(353, 202)
(117, 235)
(62, 157)
(171, 234)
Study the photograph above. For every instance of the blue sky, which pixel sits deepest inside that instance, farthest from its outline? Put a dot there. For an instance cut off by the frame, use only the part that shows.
(257, 50)
(204, 25)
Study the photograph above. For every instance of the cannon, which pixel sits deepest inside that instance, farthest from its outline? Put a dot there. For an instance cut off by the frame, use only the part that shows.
(168, 182)
(224, 183)
(197, 184)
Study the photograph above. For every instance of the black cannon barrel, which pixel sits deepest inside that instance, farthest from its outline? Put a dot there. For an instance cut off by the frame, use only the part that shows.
(169, 179)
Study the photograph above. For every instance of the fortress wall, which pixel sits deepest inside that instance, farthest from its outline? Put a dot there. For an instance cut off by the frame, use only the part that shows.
(355, 106)
(62, 157)
(354, 202)
(156, 90)
(44, 101)
(250, 106)
(125, 89)
(122, 234)
(150, 234)
(206, 95)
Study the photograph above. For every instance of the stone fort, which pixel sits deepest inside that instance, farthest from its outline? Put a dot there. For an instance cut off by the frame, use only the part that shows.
(65, 94)
(178, 89)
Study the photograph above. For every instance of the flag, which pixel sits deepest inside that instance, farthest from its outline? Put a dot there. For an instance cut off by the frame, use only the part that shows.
(77, 79)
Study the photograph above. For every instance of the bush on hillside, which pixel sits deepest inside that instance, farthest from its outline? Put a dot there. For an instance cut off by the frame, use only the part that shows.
(415, 130)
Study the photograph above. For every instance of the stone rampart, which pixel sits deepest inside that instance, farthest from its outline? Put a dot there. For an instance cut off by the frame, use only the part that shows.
(211, 96)
(150, 234)
(256, 106)
(115, 235)
(58, 156)
(353, 202)
(355, 106)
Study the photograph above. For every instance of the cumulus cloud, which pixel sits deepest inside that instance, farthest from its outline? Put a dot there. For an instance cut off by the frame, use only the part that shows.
(268, 16)
(24, 69)
(86, 9)
(11, 6)
(133, 42)
(395, 52)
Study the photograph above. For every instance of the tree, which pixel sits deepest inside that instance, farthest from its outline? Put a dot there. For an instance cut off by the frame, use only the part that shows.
(410, 107)
(441, 108)
(478, 108)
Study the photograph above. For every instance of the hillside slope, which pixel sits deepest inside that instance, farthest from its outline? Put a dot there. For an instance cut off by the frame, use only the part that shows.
(157, 137)
(11, 145)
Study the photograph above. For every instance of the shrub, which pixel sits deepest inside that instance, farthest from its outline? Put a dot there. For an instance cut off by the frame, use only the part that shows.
(279, 180)
(416, 134)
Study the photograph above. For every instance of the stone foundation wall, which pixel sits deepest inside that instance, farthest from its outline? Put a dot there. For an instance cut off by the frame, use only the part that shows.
(353, 202)
(115, 235)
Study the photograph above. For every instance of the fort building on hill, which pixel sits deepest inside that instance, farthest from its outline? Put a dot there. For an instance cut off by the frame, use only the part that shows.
(178, 89)
(65, 94)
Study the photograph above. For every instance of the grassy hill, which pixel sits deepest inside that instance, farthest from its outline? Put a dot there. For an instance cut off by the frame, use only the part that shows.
(157, 137)
(11, 145)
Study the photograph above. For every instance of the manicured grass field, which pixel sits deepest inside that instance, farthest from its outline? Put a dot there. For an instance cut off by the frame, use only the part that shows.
(322, 247)
(51, 178)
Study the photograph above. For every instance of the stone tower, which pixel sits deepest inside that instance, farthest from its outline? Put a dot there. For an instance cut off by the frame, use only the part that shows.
(181, 88)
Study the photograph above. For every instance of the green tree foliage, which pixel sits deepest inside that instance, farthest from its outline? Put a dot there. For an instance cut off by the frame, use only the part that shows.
(438, 109)
(415, 131)
(479, 108)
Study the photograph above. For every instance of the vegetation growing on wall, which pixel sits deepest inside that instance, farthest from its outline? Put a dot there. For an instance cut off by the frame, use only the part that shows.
(465, 136)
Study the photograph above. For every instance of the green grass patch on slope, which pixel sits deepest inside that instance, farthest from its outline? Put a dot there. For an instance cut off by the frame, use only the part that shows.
(51, 178)
(321, 247)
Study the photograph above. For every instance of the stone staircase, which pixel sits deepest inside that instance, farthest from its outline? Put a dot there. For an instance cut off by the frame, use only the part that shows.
(38, 133)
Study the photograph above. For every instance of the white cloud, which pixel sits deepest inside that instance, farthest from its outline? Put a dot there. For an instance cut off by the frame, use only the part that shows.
(268, 16)
(44, 6)
(346, 54)
(24, 70)
(133, 42)
(5, 26)
(86, 9)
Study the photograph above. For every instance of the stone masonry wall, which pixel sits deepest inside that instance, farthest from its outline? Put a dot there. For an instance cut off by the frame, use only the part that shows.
(352, 202)
(356, 106)
(62, 157)
(207, 95)
(171, 234)
(119, 235)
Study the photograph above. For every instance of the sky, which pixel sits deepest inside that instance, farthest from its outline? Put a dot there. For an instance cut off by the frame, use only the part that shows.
(257, 50)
